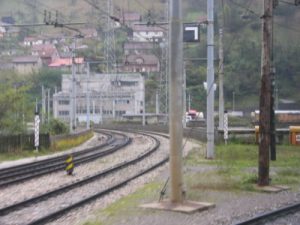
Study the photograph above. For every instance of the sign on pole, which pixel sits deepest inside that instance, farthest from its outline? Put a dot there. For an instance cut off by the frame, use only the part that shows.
(191, 32)
(225, 126)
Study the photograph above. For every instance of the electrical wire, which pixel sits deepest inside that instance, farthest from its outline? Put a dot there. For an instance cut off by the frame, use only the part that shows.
(258, 16)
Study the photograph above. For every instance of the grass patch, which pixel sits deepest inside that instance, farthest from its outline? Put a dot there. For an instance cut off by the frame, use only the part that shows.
(71, 142)
(126, 206)
(56, 147)
(236, 167)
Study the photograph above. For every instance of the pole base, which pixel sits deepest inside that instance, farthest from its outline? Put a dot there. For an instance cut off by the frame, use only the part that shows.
(271, 188)
(184, 207)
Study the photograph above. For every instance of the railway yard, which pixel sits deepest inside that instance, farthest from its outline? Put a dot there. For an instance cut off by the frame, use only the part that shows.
(116, 172)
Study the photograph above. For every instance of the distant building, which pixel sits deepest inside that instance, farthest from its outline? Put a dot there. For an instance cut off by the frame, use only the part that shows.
(136, 47)
(66, 64)
(141, 63)
(31, 41)
(130, 18)
(111, 97)
(47, 52)
(89, 32)
(27, 64)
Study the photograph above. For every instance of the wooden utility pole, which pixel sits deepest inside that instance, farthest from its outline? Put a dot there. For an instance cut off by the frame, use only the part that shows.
(265, 95)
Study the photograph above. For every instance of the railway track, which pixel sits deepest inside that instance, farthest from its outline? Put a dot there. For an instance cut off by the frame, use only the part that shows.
(100, 175)
(272, 215)
(28, 171)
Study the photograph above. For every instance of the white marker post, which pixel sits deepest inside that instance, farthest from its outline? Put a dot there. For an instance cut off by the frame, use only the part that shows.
(225, 126)
(36, 129)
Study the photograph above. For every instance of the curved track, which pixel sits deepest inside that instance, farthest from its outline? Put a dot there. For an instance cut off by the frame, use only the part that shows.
(28, 171)
(114, 169)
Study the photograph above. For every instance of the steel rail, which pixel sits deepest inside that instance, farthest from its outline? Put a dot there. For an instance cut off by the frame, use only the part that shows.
(60, 212)
(86, 180)
(271, 215)
(60, 165)
(4, 171)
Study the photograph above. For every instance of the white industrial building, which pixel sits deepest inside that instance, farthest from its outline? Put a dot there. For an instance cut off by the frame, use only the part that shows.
(109, 96)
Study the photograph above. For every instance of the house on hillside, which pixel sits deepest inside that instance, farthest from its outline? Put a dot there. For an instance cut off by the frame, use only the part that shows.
(31, 41)
(27, 64)
(65, 64)
(130, 18)
(136, 47)
(46, 52)
(89, 32)
(2, 30)
(141, 63)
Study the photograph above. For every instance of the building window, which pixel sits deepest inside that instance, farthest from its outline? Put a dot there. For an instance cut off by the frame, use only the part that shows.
(63, 102)
(63, 113)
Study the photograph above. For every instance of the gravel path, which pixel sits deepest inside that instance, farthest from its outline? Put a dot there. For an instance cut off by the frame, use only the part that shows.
(79, 216)
(139, 145)
(52, 181)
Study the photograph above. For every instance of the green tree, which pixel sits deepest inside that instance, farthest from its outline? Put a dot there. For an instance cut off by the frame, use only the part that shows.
(15, 109)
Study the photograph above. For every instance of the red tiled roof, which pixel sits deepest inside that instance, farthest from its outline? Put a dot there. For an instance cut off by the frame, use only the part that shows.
(65, 62)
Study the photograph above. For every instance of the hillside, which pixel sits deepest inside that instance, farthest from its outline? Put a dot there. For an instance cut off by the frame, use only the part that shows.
(241, 43)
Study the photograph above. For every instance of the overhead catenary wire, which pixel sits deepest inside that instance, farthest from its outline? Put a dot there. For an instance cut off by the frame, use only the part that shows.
(285, 26)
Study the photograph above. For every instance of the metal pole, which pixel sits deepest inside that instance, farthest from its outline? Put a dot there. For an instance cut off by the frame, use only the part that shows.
(144, 103)
(233, 101)
(189, 101)
(265, 96)
(184, 95)
(88, 98)
(210, 80)
(48, 105)
(72, 98)
(176, 105)
(43, 104)
(156, 103)
(221, 83)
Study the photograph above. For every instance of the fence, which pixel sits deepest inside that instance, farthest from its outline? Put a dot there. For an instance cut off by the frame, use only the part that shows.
(12, 143)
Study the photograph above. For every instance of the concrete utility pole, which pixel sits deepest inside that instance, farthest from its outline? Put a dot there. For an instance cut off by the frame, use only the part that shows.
(265, 95)
(184, 95)
(176, 105)
(72, 94)
(144, 104)
(156, 103)
(88, 110)
(210, 80)
(221, 81)
(43, 104)
(48, 105)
